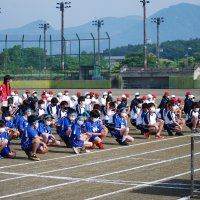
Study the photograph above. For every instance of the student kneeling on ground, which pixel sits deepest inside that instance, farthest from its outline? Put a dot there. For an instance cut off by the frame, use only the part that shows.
(94, 129)
(171, 121)
(78, 140)
(151, 124)
(121, 130)
(5, 143)
(192, 118)
(31, 142)
(46, 132)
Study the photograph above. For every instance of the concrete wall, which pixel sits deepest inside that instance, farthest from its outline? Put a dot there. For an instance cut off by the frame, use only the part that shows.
(61, 84)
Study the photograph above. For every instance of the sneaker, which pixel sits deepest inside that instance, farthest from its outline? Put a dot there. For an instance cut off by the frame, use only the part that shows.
(125, 143)
(194, 130)
(34, 157)
(93, 146)
(28, 153)
(159, 137)
(147, 135)
(83, 150)
(76, 150)
(170, 133)
(179, 134)
(118, 140)
(100, 145)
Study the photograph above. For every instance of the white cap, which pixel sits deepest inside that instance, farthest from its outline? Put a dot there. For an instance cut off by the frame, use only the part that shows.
(86, 93)
(48, 95)
(137, 94)
(59, 94)
(34, 92)
(74, 97)
(149, 96)
(12, 94)
(191, 96)
(105, 93)
(123, 96)
(93, 100)
(24, 95)
(173, 96)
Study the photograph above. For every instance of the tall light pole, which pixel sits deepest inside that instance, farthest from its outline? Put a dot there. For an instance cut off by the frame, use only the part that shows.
(144, 2)
(158, 21)
(62, 6)
(44, 27)
(99, 24)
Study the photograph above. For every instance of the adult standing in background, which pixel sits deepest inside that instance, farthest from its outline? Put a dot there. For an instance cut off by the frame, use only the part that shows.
(5, 92)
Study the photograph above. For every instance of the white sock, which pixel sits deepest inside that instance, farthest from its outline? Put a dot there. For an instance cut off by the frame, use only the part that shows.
(123, 138)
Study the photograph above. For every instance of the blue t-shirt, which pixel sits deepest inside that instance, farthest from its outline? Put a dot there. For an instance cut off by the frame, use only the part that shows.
(10, 124)
(64, 123)
(93, 127)
(75, 133)
(23, 123)
(4, 136)
(29, 134)
(119, 122)
(44, 129)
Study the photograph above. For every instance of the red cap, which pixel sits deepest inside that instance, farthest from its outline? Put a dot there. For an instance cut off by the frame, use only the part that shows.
(78, 94)
(66, 91)
(16, 92)
(50, 92)
(174, 100)
(43, 96)
(109, 91)
(28, 91)
(154, 96)
(119, 99)
(91, 93)
(144, 98)
(179, 100)
(127, 95)
(97, 94)
(188, 93)
(167, 94)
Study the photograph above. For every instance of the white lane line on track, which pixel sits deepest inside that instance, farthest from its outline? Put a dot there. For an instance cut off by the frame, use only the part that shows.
(104, 161)
(185, 198)
(36, 190)
(139, 186)
(90, 179)
(121, 147)
(115, 159)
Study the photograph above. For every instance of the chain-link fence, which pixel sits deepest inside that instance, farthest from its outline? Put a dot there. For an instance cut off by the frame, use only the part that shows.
(33, 57)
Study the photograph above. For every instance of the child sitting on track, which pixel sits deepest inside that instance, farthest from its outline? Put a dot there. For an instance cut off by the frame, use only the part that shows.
(121, 130)
(45, 131)
(78, 140)
(95, 129)
(5, 151)
(192, 118)
(31, 143)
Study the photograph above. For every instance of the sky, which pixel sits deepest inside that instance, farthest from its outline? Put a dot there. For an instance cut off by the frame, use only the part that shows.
(16, 13)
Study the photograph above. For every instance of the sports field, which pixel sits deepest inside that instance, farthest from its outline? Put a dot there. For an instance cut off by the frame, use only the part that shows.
(146, 169)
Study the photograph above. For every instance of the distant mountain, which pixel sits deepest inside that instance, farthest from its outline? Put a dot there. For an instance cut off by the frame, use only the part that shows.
(180, 22)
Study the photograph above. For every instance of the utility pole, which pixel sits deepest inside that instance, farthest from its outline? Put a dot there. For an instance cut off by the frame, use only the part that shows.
(158, 21)
(62, 6)
(144, 2)
(44, 27)
(99, 24)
